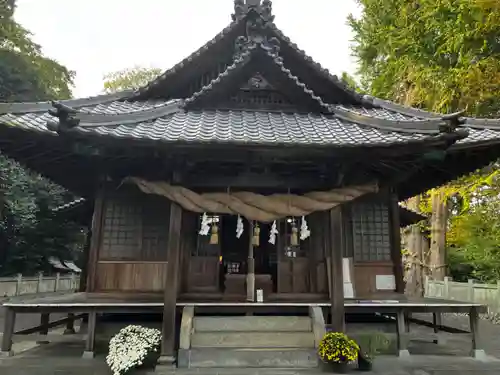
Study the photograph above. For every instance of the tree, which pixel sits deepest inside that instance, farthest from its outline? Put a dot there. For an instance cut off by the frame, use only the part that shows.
(127, 79)
(443, 56)
(25, 74)
(29, 231)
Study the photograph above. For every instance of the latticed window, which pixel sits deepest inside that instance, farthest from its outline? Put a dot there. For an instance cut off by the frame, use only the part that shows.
(135, 227)
(371, 232)
(121, 229)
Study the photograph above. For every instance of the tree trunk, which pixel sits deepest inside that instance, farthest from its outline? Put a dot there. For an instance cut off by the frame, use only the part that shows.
(438, 234)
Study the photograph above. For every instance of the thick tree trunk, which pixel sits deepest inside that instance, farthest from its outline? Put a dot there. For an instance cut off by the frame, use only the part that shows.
(438, 235)
(414, 240)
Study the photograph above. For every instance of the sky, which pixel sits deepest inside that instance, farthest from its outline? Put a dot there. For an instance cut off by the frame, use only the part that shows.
(96, 37)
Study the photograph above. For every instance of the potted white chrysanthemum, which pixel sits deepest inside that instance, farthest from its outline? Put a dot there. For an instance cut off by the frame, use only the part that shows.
(133, 347)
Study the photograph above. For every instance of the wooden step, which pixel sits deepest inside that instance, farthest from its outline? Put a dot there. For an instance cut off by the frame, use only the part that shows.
(267, 339)
(253, 324)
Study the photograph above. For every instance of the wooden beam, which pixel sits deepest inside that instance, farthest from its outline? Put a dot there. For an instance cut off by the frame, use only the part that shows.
(171, 281)
(95, 239)
(337, 243)
(395, 239)
(221, 179)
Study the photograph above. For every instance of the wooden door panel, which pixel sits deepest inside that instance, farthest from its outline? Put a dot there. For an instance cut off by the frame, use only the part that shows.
(293, 276)
(203, 274)
(300, 275)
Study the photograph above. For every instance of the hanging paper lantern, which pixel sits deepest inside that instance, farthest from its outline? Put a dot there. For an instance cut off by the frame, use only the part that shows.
(256, 235)
(294, 239)
(304, 230)
(214, 237)
(205, 225)
(239, 227)
(272, 233)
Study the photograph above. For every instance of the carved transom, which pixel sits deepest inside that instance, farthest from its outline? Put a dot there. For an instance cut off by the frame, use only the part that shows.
(257, 82)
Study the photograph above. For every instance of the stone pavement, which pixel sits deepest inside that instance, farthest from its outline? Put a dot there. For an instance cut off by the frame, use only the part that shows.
(65, 359)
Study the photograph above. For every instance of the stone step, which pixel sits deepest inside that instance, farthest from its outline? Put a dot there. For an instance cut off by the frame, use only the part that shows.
(248, 358)
(267, 339)
(252, 324)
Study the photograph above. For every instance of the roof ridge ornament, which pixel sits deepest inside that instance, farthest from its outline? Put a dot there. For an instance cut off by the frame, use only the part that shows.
(264, 8)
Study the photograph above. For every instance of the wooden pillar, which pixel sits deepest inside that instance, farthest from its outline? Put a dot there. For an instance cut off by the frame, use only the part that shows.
(89, 352)
(95, 239)
(44, 324)
(70, 324)
(8, 332)
(402, 335)
(171, 280)
(337, 243)
(86, 257)
(477, 351)
(251, 265)
(396, 255)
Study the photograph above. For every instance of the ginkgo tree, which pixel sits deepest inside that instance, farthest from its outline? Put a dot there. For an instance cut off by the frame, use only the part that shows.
(442, 56)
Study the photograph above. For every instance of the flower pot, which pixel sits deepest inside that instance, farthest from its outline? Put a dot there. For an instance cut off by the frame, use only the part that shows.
(364, 363)
(336, 368)
(148, 364)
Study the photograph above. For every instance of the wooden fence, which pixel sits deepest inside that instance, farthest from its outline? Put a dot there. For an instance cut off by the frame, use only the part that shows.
(487, 294)
(22, 285)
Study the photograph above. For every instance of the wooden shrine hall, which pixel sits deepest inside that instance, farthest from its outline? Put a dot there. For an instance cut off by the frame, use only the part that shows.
(245, 176)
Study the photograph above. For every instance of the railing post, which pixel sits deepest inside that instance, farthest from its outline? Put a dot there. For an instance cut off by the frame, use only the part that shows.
(447, 287)
(39, 283)
(498, 296)
(470, 290)
(73, 282)
(19, 282)
(56, 282)
(426, 286)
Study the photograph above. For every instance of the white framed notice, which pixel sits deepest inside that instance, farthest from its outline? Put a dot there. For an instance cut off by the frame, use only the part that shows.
(385, 282)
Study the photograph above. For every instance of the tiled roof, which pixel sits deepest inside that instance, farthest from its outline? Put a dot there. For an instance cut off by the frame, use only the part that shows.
(225, 126)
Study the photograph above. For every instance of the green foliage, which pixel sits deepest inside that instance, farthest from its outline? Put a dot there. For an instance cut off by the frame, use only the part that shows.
(476, 241)
(351, 82)
(129, 78)
(442, 55)
(373, 343)
(25, 74)
(29, 232)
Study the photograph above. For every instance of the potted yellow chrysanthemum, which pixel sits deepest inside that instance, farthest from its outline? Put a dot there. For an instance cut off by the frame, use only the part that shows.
(337, 351)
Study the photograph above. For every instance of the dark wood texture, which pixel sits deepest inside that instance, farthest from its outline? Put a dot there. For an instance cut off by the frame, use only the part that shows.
(365, 277)
(337, 243)
(130, 276)
(203, 274)
(396, 255)
(95, 240)
(293, 275)
(86, 257)
(171, 280)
